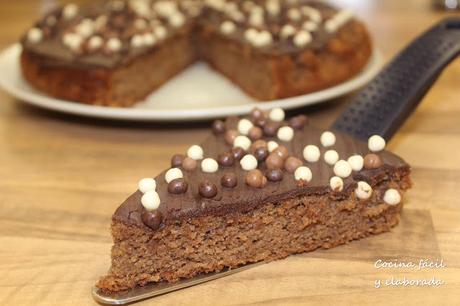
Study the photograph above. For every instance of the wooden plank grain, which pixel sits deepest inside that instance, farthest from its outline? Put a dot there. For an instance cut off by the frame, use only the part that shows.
(61, 178)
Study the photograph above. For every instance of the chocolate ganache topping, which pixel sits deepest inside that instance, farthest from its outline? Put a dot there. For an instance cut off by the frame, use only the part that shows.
(238, 187)
(112, 33)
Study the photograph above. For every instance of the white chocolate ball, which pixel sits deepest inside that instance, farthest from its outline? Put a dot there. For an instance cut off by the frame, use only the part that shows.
(95, 42)
(311, 153)
(147, 184)
(287, 31)
(160, 32)
(69, 11)
(35, 35)
(331, 26)
(392, 197)
(242, 142)
(336, 183)
(262, 39)
(310, 26)
(363, 191)
(148, 39)
(72, 41)
(276, 114)
(356, 162)
(331, 157)
(209, 165)
(273, 7)
(327, 139)
(176, 20)
(195, 152)
(172, 174)
(294, 14)
(303, 173)
(248, 162)
(272, 145)
(376, 143)
(113, 44)
(150, 200)
(302, 38)
(285, 133)
(227, 27)
(342, 168)
(244, 125)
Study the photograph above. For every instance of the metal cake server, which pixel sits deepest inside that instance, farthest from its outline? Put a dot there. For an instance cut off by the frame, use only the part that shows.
(380, 108)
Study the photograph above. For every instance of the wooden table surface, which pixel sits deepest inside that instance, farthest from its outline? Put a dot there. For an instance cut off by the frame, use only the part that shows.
(61, 178)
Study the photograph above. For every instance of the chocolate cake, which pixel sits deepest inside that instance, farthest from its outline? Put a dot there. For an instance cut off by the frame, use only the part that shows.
(117, 52)
(259, 188)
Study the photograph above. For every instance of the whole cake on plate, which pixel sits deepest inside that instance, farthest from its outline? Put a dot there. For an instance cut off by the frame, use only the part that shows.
(258, 188)
(117, 52)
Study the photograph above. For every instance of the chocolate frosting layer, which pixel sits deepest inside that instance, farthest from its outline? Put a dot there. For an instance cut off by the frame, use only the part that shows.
(198, 17)
(244, 198)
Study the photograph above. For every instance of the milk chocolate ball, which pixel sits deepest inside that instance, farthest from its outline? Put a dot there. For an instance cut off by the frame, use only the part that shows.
(255, 178)
(274, 161)
(255, 133)
(189, 164)
(259, 143)
(230, 136)
(292, 163)
(372, 161)
(282, 152)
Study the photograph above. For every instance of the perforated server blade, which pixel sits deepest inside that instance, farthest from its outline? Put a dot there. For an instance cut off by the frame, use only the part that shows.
(379, 109)
(155, 289)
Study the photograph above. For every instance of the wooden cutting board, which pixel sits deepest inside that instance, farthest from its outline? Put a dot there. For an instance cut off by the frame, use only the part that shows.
(62, 177)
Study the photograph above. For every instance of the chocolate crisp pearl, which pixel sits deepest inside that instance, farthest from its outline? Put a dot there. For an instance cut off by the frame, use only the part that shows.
(292, 163)
(230, 136)
(257, 113)
(255, 178)
(176, 160)
(218, 127)
(261, 122)
(298, 122)
(255, 133)
(229, 180)
(274, 175)
(177, 186)
(226, 159)
(282, 152)
(238, 153)
(207, 189)
(372, 161)
(259, 143)
(261, 153)
(274, 161)
(189, 164)
(152, 218)
(271, 128)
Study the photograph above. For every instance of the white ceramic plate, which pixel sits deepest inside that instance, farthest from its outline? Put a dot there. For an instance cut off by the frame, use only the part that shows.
(197, 93)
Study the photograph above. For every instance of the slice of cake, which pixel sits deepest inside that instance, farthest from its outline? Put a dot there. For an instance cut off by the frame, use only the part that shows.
(117, 52)
(258, 189)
